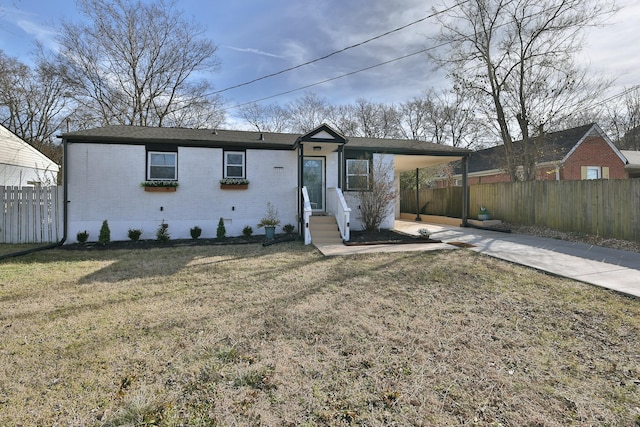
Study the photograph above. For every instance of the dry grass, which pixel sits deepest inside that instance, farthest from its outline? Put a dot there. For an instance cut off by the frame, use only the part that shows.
(282, 336)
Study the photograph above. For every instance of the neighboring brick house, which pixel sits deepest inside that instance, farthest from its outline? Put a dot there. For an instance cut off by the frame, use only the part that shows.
(584, 152)
(633, 163)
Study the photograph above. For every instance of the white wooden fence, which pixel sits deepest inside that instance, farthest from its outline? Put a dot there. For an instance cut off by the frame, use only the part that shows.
(30, 214)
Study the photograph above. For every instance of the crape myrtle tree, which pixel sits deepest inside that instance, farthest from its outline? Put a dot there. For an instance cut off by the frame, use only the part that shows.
(376, 197)
(136, 62)
(518, 55)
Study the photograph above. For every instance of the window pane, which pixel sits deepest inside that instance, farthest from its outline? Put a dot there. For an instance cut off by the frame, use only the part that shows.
(593, 173)
(357, 174)
(234, 172)
(164, 159)
(162, 172)
(234, 159)
(358, 182)
(357, 167)
(234, 164)
(162, 166)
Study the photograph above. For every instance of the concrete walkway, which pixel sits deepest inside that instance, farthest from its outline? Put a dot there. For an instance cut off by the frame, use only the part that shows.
(608, 268)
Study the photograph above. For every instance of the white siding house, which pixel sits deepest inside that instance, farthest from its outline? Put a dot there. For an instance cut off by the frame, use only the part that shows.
(105, 168)
(22, 165)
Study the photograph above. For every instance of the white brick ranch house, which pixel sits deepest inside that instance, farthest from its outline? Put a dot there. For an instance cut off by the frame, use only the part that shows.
(105, 167)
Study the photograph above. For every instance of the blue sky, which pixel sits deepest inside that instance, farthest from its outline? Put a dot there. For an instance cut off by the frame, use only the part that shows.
(258, 37)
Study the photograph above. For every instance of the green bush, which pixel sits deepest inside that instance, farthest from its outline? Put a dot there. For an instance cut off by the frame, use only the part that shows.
(195, 232)
(134, 234)
(247, 231)
(221, 232)
(82, 236)
(162, 233)
(288, 228)
(105, 233)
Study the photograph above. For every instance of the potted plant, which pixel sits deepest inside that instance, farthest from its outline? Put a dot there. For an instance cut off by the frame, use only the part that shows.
(483, 214)
(270, 221)
(159, 186)
(234, 184)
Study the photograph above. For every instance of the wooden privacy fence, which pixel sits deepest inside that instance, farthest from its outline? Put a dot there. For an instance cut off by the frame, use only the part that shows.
(30, 214)
(608, 208)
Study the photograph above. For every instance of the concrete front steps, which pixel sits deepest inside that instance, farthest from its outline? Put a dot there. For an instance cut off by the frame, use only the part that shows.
(324, 230)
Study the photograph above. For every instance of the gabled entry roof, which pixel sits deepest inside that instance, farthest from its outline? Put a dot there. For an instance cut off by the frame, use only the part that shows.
(323, 133)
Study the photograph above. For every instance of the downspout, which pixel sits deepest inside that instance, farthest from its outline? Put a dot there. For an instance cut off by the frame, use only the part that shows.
(64, 213)
(301, 224)
(418, 196)
(340, 166)
(465, 191)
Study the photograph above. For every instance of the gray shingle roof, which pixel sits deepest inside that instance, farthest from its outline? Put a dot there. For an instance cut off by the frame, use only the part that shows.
(118, 134)
(555, 147)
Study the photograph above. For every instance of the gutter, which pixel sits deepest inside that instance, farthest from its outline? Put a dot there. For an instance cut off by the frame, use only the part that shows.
(64, 213)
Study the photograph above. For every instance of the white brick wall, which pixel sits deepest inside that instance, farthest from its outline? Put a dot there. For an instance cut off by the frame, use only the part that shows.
(104, 183)
(351, 197)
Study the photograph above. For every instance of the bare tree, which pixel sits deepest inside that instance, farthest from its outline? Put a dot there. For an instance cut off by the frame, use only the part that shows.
(365, 119)
(623, 120)
(375, 200)
(307, 112)
(519, 55)
(135, 63)
(442, 117)
(33, 101)
(269, 118)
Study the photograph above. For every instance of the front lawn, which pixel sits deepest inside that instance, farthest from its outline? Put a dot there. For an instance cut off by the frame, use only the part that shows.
(280, 335)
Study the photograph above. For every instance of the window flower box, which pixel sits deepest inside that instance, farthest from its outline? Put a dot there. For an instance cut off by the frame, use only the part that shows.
(234, 184)
(159, 186)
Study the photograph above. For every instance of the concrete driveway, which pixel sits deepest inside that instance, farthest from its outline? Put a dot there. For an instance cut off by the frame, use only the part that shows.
(608, 268)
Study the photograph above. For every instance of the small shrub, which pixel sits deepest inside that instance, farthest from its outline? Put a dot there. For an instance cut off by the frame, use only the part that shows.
(195, 232)
(134, 234)
(105, 233)
(288, 229)
(424, 233)
(247, 231)
(162, 234)
(221, 232)
(82, 236)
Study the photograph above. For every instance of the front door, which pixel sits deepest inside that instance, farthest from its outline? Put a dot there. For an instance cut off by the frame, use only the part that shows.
(313, 178)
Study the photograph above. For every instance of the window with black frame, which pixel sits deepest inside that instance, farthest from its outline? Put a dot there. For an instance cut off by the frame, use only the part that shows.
(162, 166)
(234, 164)
(358, 174)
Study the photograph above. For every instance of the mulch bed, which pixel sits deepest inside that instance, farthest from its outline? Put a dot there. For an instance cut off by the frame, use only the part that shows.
(385, 237)
(172, 243)
(382, 237)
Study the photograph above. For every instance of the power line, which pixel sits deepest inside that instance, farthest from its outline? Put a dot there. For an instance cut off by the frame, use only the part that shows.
(331, 79)
(612, 97)
(373, 66)
(341, 50)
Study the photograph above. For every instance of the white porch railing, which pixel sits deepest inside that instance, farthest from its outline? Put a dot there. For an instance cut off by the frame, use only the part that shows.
(338, 207)
(306, 215)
